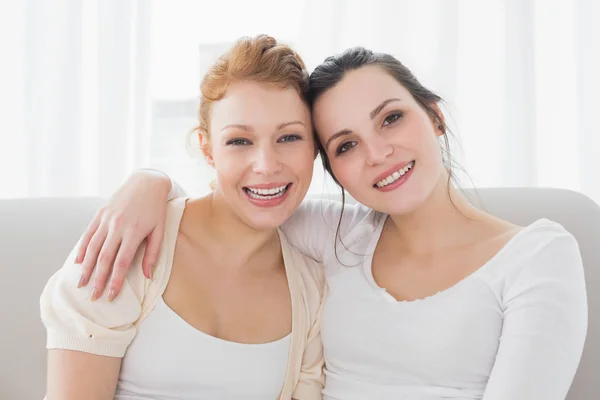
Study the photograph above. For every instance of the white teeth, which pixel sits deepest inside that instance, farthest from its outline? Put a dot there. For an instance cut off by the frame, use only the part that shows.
(265, 194)
(395, 176)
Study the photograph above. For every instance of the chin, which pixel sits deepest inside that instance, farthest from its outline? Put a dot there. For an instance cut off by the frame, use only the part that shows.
(266, 218)
(401, 203)
(266, 222)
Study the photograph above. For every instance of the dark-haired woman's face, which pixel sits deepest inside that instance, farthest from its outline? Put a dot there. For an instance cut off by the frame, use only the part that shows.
(383, 147)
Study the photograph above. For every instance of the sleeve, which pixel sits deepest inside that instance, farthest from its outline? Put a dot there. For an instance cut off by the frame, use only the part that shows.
(176, 190)
(318, 225)
(312, 377)
(545, 325)
(73, 322)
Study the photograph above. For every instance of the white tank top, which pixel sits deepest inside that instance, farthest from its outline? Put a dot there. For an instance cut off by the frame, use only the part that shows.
(170, 359)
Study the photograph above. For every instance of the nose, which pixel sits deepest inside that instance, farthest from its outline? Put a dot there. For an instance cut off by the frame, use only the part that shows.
(377, 150)
(267, 162)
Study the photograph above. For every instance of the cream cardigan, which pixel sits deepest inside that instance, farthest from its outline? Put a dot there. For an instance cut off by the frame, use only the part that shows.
(75, 323)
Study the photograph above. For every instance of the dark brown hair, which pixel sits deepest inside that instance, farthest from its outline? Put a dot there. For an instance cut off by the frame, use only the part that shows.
(334, 68)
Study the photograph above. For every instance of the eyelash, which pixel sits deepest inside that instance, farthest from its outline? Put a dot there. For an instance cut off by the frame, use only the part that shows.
(343, 148)
(294, 137)
(283, 139)
(238, 142)
(395, 115)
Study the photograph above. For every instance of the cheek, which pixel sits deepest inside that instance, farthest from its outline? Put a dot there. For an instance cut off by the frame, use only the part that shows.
(229, 165)
(301, 160)
(347, 169)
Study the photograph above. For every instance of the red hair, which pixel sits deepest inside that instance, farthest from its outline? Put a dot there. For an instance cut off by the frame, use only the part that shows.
(260, 59)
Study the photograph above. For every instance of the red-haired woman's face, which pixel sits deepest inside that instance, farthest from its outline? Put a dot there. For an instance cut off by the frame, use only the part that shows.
(263, 152)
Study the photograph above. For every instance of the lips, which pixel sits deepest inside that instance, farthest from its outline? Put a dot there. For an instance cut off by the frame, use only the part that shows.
(393, 174)
(267, 195)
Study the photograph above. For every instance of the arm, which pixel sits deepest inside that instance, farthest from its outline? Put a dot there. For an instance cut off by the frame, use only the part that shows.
(545, 324)
(73, 375)
(86, 340)
(136, 213)
(312, 228)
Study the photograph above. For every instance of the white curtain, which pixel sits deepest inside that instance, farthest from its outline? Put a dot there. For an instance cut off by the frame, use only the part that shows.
(91, 90)
(74, 98)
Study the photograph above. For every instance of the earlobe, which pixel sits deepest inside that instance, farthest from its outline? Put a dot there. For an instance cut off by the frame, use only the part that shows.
(440, 130)
(438, 120)
(206, 150)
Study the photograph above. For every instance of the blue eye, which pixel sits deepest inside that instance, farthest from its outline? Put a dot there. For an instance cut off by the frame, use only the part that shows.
(289, 138)
(238, 142)
(344, 147)
(390, 119)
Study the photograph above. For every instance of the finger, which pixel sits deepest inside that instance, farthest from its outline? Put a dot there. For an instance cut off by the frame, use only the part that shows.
(121, 265)
(105, 263)
(152, 250)
(91, 255)
(87, 237)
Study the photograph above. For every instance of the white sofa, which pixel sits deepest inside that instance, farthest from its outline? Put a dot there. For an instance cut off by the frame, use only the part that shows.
(37, 234)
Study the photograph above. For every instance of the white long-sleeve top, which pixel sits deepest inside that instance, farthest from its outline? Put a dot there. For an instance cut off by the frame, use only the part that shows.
(513, 330)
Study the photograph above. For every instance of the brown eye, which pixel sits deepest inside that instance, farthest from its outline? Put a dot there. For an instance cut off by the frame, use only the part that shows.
(344, 147)
(390, 119)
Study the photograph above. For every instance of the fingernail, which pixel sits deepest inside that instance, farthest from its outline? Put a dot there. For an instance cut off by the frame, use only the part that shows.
(93, 295)
(111, 295)
(150, 274)
(80, 284)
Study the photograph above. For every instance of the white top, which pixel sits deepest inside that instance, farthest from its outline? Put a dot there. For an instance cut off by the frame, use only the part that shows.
(170, 359)
(167, 350)
(513, 330)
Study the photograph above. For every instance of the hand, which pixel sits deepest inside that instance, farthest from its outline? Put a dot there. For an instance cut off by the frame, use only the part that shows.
(135, 213)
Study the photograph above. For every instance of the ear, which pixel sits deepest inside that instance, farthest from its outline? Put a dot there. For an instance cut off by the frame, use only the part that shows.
(206, 148)
(439, 124)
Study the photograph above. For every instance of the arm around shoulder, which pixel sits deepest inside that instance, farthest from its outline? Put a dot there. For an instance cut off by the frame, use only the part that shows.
(317, 225)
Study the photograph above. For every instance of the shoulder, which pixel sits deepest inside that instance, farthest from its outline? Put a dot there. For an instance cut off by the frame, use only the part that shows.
(306, 274)
(541, 252)
(541, 238)
(336, 215)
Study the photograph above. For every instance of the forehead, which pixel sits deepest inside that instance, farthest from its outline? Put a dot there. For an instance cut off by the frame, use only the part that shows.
(257, 104)
(356, 95)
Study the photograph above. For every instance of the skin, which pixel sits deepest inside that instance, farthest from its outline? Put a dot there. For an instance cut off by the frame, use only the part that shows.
(369, 123)
(259, 134)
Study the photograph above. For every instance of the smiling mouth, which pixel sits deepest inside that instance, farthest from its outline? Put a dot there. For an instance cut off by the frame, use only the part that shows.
(394, 176)
(267, 194)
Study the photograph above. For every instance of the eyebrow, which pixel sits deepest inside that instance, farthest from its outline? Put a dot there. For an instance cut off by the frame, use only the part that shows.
(372, 115)
(380, 107)
(283, 125)
(248, 128)
(238, 126)
(336, 135)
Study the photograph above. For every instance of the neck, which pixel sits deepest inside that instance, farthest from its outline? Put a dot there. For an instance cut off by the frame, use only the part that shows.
(237, 244)
(435, 224)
